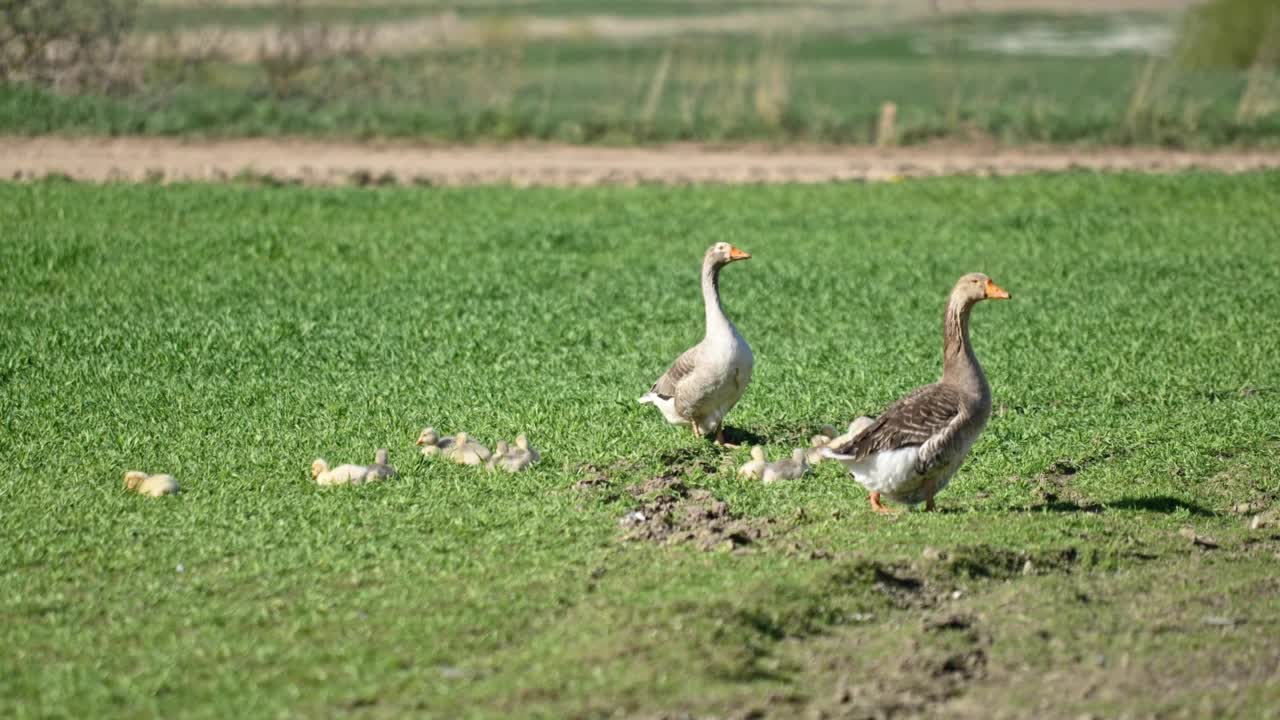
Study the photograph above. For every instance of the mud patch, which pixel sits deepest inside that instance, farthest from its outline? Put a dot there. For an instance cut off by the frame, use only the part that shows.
(989, 562)
(670, 512)
(936, 579)
(1055, 488)
(594, 488)
(937, 664)
(949, 653)
(685, 460)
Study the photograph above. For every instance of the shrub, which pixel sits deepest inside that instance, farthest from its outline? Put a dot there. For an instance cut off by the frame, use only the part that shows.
(1231, 33)
(65, 44)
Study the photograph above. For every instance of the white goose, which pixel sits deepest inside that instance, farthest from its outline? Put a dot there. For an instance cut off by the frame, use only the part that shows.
(707, 380)
(912, 450)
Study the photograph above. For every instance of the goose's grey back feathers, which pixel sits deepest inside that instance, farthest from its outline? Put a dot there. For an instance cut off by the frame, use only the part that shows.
(665, 387)
(928, 417)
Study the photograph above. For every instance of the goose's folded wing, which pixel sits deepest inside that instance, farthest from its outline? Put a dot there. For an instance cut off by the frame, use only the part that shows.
(921, 416)
(665, 387)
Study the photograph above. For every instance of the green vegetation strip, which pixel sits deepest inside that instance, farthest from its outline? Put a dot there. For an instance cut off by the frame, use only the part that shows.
(231, 334)
(816, 87)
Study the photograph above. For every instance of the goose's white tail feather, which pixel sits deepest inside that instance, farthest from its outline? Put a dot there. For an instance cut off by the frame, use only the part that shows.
(888, 471)
(666, 405)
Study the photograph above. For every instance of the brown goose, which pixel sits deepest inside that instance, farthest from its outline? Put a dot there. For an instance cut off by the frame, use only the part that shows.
(707, 380)
(910, 452)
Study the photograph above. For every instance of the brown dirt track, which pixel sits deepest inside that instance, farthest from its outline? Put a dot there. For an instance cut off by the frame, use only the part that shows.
(331, 163)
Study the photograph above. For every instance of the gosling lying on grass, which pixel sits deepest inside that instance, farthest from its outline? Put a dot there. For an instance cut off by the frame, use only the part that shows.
(813, 455)
(858, 425)
(150, 485)
(381, 468)
(511, 459)
(466, 451)
(522, 443)
(753, 468)
(431, 442)
(353, 474)
(824, 436)
(341, 475)
(792, 468)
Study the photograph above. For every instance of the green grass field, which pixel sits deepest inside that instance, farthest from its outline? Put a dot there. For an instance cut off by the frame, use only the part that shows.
(231, 334)
(786, 86)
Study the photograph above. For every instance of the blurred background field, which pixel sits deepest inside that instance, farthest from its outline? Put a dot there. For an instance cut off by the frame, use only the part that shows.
(1139, 72)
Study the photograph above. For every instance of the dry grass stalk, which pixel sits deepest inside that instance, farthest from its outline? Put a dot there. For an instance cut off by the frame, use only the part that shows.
(887, 127)
(773, 85)
(1147, 95)
(1259, 96)
(656, 88)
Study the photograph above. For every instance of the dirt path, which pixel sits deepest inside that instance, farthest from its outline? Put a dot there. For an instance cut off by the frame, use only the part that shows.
(323, 163)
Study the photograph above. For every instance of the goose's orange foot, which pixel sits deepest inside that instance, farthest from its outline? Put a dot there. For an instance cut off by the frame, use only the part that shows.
(721, 441)
(878, 506)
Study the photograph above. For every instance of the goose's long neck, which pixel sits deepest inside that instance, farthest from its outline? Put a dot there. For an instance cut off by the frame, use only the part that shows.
(959, 365)
(717, 321)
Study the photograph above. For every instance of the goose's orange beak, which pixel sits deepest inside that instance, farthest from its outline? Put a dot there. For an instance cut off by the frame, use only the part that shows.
(995, 292)
(736, 253)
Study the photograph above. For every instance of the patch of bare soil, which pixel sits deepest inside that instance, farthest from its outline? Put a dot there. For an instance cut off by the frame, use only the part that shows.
(1062, 644)
(1055, 488)
(670, 512)
(136, 159)
(934, 666)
